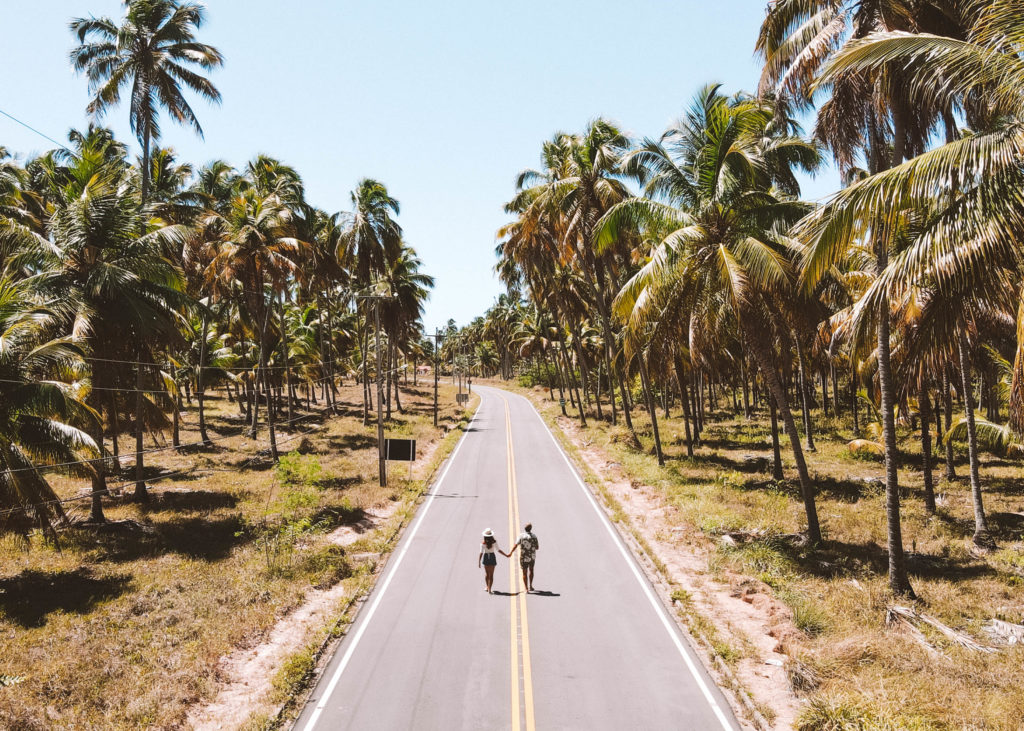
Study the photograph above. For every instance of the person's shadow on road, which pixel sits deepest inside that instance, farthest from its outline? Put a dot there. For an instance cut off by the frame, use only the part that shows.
(530, 593)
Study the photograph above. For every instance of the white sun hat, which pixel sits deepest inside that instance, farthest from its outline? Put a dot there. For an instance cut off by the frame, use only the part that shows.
(488, 533)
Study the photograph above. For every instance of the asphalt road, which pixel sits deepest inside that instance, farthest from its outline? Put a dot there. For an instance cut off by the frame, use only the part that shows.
(591, 648)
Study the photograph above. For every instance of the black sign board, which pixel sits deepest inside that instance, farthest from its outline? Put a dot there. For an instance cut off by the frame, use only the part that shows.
(461, 398)
(400, 450)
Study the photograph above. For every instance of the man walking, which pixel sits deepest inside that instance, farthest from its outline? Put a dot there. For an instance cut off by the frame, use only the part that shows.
(528, 544)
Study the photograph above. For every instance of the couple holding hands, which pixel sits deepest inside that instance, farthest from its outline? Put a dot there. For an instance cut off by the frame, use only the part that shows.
(527, 545)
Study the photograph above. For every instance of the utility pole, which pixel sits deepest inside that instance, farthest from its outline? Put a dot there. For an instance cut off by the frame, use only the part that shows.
(380, 417)
(437, 366)
(381, 457)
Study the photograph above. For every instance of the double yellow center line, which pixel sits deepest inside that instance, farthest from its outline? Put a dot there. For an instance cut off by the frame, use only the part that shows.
(522, 693)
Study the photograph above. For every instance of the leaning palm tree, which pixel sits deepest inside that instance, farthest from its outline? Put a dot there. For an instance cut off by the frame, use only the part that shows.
(710, 190)
(37, 410)
(152, 51)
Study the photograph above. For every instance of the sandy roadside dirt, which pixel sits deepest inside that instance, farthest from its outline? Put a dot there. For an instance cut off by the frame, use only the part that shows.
(741, 609)
(246, 675)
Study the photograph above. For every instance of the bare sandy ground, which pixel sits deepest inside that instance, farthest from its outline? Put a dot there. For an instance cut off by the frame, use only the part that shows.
(247, 674)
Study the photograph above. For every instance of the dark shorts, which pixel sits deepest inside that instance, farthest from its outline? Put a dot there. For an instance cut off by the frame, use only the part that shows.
(526, 563)
(490, 559)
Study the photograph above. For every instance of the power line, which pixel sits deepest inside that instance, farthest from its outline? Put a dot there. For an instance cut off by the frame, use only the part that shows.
(44, 136)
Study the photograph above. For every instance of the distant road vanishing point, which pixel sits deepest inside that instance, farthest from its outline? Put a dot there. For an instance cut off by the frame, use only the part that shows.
(592, 648)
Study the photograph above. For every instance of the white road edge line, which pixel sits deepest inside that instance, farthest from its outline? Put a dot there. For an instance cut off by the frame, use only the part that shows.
(658, 607)
(407, 541)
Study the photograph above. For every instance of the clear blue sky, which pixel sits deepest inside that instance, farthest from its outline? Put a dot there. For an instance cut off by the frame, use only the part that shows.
(443, 101)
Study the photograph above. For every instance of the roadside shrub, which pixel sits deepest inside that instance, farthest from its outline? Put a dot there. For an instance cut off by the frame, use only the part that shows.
(294, 500)
(279, 543)
(299, 469)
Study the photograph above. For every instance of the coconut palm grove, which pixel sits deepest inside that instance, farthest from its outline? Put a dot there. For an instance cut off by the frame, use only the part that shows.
(824, 397)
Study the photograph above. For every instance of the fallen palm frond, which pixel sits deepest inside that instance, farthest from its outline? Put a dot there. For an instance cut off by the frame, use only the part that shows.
(1004, 633)
(866, 447)
(911, 619)
(7, 680)
(906, 617)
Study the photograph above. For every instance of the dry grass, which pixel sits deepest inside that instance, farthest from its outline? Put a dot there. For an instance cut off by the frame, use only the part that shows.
(125, 630)
(853, 671)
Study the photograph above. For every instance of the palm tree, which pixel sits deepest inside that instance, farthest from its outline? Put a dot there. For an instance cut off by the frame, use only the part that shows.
(969, 234)
(710, 191)
(409, 289)
(563, 203)
(152, 51)
(37, 411)
(252, 248)
(369, 239)
(121, 295)
(874, 112)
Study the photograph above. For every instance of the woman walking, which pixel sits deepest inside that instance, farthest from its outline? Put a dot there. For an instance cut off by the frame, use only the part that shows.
(489, 557)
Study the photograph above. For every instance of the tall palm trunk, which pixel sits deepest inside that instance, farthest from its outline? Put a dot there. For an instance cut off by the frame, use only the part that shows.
(389, 376)
(593, 281)
(982, 537)
(266, 387)
(141, 494)
(762, 355)
(625, 400)
(824, 391)
(925, 406)
(584, 368)
(366, 377)
(837, 401)
(947, 413)
(398, 395)
(777, 473)
(685, 398)
(201, 385)
(695, 404)
(147, 170)
(177, 406)
(651, 407)
(853, 401)
(899, 581)
(573, 381)
(262, 375)
(98, 474)
(115, 429)
(746, 392)
(325, 356)
(805, 396)
(284, 361)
